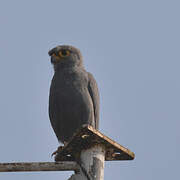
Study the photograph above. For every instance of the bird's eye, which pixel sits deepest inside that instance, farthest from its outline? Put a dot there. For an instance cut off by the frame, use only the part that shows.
(64, 53)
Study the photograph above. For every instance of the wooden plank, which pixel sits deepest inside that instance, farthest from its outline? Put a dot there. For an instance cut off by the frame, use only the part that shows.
(86, 138)
(39, 166)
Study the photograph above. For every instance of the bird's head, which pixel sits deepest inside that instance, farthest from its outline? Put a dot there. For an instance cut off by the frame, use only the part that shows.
(65, 56)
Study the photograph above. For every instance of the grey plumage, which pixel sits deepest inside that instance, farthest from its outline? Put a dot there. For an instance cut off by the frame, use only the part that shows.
(74, 97)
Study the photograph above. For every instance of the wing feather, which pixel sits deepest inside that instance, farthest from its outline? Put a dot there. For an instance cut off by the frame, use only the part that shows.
(94, 93)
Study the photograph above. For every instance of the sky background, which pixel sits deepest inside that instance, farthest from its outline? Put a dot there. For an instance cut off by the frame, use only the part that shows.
(133, 50)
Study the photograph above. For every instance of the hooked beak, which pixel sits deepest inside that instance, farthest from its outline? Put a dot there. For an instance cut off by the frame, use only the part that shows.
(55, 59)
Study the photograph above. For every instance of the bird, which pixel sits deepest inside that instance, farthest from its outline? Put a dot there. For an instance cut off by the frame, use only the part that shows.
(74, 95)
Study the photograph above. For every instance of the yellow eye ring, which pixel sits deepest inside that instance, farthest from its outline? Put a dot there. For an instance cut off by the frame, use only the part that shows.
(64, 53)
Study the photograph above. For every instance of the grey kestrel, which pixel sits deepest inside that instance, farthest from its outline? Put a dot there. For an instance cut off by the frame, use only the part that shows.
(74, 96)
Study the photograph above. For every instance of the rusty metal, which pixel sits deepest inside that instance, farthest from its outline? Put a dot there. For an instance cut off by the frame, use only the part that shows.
(86, 138)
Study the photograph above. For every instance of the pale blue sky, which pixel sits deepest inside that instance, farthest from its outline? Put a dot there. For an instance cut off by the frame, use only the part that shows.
(132, 49)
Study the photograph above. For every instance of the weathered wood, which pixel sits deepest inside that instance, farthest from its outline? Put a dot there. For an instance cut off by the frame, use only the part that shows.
(39, 166)
(94, 148)
(87, 137)
(91, 163)
(85, 154)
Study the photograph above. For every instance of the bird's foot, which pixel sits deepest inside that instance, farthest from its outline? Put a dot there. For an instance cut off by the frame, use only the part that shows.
(58, 149)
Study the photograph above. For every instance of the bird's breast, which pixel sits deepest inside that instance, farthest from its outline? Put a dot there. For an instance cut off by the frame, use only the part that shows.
(71, 96)
(69, 80)
(71, 88)
(70, 104)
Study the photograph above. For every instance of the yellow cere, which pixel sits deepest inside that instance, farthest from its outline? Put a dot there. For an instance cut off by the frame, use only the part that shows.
(54, 55)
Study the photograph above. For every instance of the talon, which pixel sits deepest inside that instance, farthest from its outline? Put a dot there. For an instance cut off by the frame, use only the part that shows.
(58, 149)
(54, 153)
